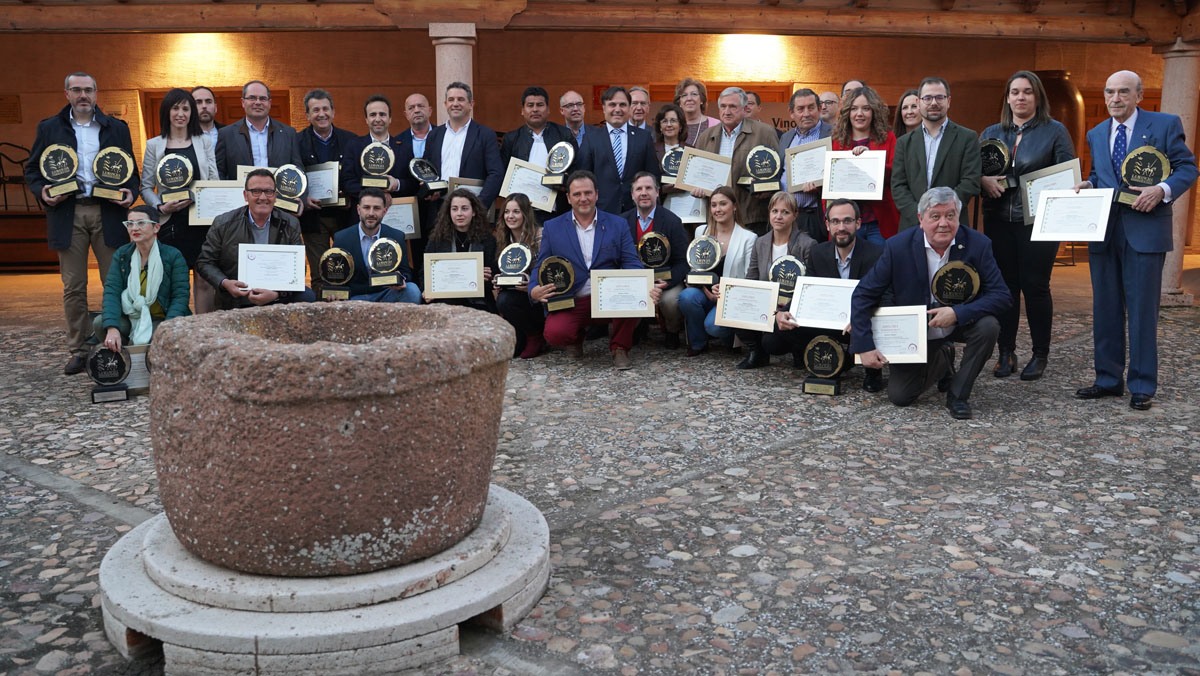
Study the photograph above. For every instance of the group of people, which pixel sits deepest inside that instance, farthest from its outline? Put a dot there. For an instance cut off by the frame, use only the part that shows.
(613, 198)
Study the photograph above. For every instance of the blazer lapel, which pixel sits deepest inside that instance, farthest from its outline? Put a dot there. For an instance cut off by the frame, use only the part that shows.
(1141, 134)
(943, 149)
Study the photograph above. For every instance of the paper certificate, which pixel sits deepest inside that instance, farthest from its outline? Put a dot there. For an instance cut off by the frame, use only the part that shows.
(214, 198)
(747, 304)
(1067, 216)
(855, 177)
(454, 275)
(806, 163)
(706, 171)
(402, 215)
(622, 293)
(900, 334)
(822, 303)
(689, 209)
(526, 177)
(323, 182)
(278, 267)
(1058, 177)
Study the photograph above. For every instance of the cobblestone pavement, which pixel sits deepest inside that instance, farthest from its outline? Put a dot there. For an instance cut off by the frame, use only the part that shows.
(713, 521)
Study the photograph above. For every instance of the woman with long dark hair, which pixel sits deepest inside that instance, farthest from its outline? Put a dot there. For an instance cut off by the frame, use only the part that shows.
(516, 224)
(461, 227)
(908, 114)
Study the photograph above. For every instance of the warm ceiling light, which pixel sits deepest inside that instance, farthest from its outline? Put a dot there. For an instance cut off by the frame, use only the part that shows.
(760, 58)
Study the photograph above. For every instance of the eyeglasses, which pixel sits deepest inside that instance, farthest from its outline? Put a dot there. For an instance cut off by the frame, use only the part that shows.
(826, 104)
(143, 223)
(930, 98)
(841, 221)
(256, 99)
(82, 90)
(573, 105)
(259, 192)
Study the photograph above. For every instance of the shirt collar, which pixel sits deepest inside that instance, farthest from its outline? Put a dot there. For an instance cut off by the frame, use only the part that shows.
(465, 127)
(324, 139)
(363, 233)
(648, 218)
(941, 129)
(929, 247)
(1128, 123)
(266, 126)
(624, 128)
(595, 217)
(252, 222)
(837, 253)
(736, 130)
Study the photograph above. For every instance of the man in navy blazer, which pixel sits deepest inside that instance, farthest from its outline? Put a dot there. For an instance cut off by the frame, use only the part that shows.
(1128, 263)
(378, 112)
(464, 148)
(591, 240)
(645, 218)
(906, 268)
(357, 240)
(598, 153)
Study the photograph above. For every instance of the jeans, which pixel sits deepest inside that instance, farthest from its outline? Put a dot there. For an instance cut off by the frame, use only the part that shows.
(699, 316)
(870, 232)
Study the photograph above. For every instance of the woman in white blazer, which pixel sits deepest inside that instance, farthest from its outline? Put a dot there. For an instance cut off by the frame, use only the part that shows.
(699, 304)
(181, 136)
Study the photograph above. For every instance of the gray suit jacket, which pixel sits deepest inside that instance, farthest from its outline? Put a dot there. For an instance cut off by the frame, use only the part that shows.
(156, 148)
(957, 166)
(760, 257)
(233, 148)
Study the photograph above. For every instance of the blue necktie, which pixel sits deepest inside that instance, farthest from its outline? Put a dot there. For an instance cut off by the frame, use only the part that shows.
(618, 151)
(1120, 147)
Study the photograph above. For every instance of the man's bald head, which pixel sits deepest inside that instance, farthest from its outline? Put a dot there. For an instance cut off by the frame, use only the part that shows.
(1122, 94)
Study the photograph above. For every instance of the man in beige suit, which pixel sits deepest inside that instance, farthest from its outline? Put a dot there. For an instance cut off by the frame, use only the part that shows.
(734, 138)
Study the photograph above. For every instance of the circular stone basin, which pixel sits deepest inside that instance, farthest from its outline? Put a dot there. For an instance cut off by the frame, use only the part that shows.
(326, 438)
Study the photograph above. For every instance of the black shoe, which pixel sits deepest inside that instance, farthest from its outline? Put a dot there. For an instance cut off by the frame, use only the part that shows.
(1140, 402)
(755, 359)
(1035, 368)
(1006, 363)
(671, 341)
(959, 408)
(1097, 392)
(696, 352)
(943, 383)
(75, 365)
(873, 380)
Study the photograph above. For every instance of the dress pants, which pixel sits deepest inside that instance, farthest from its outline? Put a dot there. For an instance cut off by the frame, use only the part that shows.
(566, 327)
(1026, 267)
(527, 317)
(316, 244)
(87, 230)
(668, 309)
(410, 294)
(812, 221)
(906, 382)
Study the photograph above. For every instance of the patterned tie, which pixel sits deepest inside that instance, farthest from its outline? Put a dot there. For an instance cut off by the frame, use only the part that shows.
(1120, 147)
(618, 144)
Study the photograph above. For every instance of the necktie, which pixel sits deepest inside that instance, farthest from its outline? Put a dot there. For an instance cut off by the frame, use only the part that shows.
(618, 151)
(1120, 147)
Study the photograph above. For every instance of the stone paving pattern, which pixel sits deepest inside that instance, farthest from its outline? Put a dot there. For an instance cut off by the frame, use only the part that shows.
(713, 521)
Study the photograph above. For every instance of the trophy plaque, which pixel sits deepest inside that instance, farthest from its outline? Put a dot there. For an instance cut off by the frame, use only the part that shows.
(763, 168)
(174, 175)
(377, 160)
(58, 165)
(290, 186)
(703, 254)
(424, 171)
(670, 166)
(785, 271)
(655, 252)
(955, 282)
(113, 168)
(336, 268)
(824, 358)
(559, 272)
(383, 258)
(997, 159)
(561, 156)
(1142, 168)
(108, 369)
(513, 262)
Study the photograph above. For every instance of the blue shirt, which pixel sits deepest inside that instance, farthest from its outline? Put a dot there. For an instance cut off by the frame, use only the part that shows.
(258, 142)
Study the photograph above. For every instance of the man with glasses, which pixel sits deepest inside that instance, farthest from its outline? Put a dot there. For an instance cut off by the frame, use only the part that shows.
(571, 107)
(256, 223)
(829, 107)
(77, 221)
(256, 140)
(639, 108)
(943, 154)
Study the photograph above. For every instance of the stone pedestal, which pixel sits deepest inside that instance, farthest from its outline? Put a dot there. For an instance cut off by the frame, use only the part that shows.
(453, 51)
(1181, 80)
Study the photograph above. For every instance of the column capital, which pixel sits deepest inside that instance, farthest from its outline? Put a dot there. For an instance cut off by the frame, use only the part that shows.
(1177, 49)
(452, 33)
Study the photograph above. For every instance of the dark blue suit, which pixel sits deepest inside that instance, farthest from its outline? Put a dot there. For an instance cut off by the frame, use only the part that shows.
(480, 158)
(596, 155)
(352, 174)
(1127, 265)
(613, 248)
(348, 239)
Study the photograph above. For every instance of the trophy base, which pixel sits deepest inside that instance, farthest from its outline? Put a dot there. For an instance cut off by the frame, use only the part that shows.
(341, 202)
(437, 186)
(785, 299)
(335, 293)
(829, 386)
(376, 182)
(107, 193)
(64, 188)
(103, 394)
(1128, 197)
(668, 180)
(385, 280)
(561, 304)
(290, 206)
(508, 281)
(177, 195)
(766, 186)
(662, 274)
(553, 179)
(745, 180)
(702, 278)
(1003, 183)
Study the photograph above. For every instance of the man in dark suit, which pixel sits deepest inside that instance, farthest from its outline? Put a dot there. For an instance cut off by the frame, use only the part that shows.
(955, 150)
(615, 152)
(734, 138)
(206, 113)
(844, 256)
(255, 140)
(464, 148)
(357, 239)
(378, 113)
(417, 112)
(318, 143)
(645, 218)
(532, 141)
(1128, 264)
(906, 269)
(805, 111)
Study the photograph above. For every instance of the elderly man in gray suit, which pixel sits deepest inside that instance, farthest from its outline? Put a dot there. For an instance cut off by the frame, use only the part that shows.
(805, 110)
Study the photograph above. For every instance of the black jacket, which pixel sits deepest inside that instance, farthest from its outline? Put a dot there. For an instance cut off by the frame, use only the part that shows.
(668, 225)
(821, 262)
(518, 142)
(488, 247)
(233, 147)
(306, 144)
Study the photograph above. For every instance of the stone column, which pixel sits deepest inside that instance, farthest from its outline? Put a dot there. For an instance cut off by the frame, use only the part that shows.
(1180, 92)
(453, 49)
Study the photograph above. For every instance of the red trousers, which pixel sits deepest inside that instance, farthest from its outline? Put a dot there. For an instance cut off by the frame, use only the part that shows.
(566, 327)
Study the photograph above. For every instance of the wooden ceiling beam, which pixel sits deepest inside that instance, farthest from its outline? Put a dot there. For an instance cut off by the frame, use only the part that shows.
(198, 17)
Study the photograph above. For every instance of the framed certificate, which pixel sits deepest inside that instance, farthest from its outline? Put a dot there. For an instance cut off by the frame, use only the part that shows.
(278, 267)
(214, 198)
(243, 169)
(855, 177)
(475, 185)
(706, 171)
(1057, 177)
(402, 215)
(1067, 216)
(689, 209)
(747, 304)
(323, 182)
(900, 333)
(822, 303)
(526, 177)
(806, 162)
(454, 275)
(622, 293)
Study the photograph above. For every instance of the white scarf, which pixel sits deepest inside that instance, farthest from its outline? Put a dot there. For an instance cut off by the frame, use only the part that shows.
(133, 303)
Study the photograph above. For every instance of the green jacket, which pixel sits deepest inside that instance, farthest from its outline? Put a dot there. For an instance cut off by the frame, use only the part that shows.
(173, 292)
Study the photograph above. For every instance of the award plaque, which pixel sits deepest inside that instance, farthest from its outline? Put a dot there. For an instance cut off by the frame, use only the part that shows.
(513, 262)
(113, 168)
(174, 174)
(424, 171)
(785, 272)
(108, 369)
(558, 162)
(670, 165)
(997, 159)
(763, 168)
(377, 160)
(290, 186)
(559, 272)
(955, 282)
(703, 254)
(336, 268)
(58, 165)
(1142, 168)
(383, 258)
(655, 252)
(824, 358)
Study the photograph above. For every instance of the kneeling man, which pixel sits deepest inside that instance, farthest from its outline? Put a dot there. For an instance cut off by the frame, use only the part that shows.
(357, 239)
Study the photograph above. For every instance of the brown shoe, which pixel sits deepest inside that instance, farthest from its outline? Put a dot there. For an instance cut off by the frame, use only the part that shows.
(621, 360)
(575, 351)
